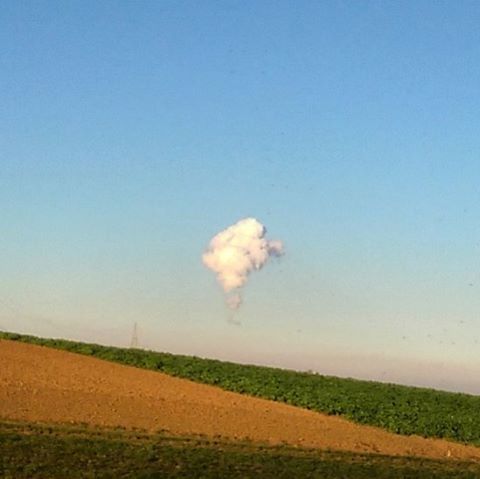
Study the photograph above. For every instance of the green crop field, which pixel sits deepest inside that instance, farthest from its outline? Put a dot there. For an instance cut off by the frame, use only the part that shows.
(399, 409)
(46, 451)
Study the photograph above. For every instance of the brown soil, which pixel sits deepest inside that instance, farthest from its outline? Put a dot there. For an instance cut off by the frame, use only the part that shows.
(46, 385)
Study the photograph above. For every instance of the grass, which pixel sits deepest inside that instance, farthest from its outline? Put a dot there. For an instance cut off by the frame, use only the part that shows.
(51, 451)
(400, 409)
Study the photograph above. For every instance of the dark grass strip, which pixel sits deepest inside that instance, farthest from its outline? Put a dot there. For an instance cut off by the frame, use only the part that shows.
(41, 451)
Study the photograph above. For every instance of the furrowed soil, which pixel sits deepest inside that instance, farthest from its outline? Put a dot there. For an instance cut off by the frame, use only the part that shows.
(38, 384)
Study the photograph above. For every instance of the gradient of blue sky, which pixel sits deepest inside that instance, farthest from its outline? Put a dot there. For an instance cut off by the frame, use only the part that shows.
(132, 132)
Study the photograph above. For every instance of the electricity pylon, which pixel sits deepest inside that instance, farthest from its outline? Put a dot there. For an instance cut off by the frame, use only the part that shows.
(134, 341)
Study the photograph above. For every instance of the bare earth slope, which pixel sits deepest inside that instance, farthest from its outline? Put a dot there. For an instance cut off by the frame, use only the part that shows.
(47, 385)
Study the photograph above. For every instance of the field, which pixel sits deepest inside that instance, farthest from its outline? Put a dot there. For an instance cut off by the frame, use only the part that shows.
(69, 415)
(399, 409)
(30, 451)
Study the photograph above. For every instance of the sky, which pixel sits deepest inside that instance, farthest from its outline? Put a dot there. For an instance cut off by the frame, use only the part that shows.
(133, 132)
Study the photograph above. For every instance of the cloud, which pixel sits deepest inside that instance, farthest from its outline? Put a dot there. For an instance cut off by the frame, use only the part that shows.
(237, 251)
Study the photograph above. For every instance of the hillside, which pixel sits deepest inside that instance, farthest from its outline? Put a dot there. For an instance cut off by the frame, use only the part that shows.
(49, 386)
(399, 409)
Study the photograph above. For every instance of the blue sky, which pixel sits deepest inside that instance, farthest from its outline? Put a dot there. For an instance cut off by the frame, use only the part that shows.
(132, 132)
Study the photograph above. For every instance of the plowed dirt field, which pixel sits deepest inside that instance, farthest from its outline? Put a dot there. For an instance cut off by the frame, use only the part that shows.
(50, 386)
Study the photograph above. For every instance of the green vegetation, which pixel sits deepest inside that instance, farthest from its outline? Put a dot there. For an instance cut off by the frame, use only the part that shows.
(40, 451)
(399, 409)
